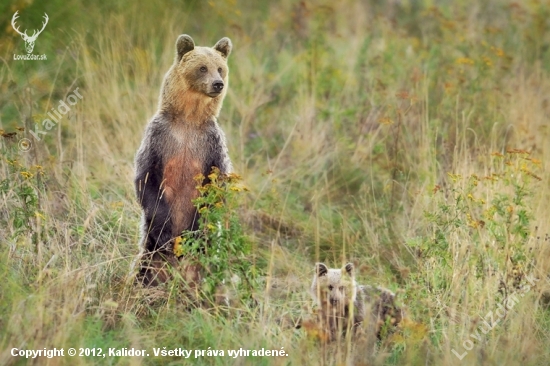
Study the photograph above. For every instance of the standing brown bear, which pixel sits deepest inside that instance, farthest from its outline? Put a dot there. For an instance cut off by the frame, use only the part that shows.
(182, 141)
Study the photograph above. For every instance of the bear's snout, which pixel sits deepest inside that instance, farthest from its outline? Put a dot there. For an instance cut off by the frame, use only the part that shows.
(215, 88)
(218, 86)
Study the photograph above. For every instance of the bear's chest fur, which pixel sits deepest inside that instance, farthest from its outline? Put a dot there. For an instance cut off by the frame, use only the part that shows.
(184, 162)
(180, 189)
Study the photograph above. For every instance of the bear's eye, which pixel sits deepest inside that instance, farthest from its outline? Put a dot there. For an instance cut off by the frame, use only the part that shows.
(220, 70)
(330, 287)
(203, 69)
(341, 288)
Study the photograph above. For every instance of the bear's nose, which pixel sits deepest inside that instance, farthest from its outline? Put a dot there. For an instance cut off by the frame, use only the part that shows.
(218, 86)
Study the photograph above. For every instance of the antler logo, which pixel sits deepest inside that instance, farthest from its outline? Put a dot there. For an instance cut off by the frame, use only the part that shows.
(29, 40)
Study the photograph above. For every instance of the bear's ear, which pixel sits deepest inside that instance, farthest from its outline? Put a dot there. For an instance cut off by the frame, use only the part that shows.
(224, 46)
(321, 269)
(184, 44)
(349, 269)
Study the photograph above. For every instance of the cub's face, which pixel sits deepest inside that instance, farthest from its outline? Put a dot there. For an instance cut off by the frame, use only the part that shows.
(203, 69)
(334, 287)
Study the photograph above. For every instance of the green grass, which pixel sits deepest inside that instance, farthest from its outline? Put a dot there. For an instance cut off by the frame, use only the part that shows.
(410, 138)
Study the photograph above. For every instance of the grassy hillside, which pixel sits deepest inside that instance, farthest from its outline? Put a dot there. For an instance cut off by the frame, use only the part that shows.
(411, 138)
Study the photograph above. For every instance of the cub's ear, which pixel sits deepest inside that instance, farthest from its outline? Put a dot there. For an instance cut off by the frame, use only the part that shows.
(321, 269)
(184, 44)
(349, 268)
(224, 46)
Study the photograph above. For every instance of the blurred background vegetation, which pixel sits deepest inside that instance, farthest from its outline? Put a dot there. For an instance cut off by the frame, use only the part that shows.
(409, 137)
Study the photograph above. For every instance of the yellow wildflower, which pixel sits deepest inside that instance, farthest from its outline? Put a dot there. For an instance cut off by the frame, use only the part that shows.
(178, 246)
(498, 51)
(465, 61)
(385, 121)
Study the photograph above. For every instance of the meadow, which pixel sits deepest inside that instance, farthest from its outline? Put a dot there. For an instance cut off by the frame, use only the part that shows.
(411, 138)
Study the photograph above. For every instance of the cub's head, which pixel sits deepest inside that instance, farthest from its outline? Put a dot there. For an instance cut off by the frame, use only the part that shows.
(334, 287)
(198, 79)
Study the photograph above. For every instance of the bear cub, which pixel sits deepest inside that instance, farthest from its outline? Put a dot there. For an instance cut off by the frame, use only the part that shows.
(182, 141)
(343, 304)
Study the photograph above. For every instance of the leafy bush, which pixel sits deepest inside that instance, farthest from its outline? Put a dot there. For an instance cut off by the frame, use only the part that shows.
(220, 246)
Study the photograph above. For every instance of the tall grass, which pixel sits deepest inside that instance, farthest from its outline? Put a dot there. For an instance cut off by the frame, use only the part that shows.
(411, 138)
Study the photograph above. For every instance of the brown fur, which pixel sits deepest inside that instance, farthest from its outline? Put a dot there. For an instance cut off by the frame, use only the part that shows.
(180, 190)
(182, 141)
(384, 311)
(186, 91)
